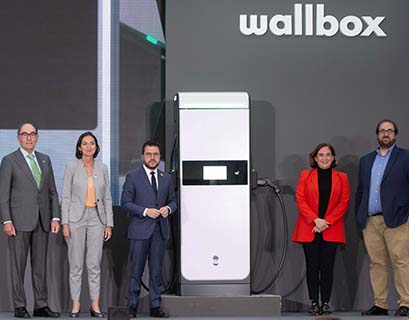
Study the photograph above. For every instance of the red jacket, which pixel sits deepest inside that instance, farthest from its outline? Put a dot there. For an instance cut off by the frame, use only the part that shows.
(307, 203)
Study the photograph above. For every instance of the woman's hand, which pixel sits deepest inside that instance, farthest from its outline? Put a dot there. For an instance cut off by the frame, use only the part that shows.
(107, 233)
(316, 230)
(66, 231)
(321, 224)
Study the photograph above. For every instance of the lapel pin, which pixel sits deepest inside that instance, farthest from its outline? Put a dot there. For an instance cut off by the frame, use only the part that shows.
(161, 174)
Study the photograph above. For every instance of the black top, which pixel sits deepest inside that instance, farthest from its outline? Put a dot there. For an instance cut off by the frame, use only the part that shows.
(324, 190)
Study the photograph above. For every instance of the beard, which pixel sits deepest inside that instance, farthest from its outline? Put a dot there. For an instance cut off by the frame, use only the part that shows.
(152, 165)
(386, 142)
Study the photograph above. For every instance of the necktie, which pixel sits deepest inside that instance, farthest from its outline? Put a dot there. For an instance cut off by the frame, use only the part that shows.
(153, 181)
(36, 170)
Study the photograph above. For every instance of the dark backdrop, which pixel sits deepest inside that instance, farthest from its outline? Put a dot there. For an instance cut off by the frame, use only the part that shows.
(304, 90)
(49, 63)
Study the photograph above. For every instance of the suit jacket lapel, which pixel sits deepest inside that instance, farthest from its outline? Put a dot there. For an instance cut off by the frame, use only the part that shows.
(391, 162)
(368, 169)
(160, 183)
(98, 178)
(24, 166)
(43, 168)
(334, 186)
(146, 181)
(313, 179)
(81, 172)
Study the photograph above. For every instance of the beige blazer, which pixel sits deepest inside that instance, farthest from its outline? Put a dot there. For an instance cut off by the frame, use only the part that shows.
(74, 192)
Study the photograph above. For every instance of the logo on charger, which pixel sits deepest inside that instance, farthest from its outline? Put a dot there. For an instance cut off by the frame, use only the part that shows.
(215, 260)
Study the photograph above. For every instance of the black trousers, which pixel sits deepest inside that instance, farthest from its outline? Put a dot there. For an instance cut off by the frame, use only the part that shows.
(320, 258)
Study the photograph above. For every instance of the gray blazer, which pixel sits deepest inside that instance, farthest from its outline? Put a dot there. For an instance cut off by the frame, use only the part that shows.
(20, 199)
(74, 192)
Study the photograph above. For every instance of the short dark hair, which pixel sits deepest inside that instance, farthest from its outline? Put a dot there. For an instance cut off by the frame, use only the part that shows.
(314, 153)
(150, 143)
(386, 120)
(24, 123)
(78, 153)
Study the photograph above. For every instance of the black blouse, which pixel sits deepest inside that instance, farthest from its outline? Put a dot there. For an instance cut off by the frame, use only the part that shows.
(324, 190)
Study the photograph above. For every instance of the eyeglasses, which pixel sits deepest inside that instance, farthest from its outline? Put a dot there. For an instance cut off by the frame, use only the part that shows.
(151, 155)
(388, 131)
(26, 134)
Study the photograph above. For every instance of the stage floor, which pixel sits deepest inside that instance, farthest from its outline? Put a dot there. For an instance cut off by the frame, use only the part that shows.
(286, 316)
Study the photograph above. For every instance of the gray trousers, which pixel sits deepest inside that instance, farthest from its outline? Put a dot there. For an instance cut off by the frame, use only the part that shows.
(88, 233)
(37, 242)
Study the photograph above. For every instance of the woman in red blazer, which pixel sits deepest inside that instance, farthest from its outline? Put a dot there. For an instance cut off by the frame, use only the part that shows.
(322, 198)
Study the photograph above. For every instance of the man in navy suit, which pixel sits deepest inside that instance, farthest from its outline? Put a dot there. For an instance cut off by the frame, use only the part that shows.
(382, 208)
(148, 196)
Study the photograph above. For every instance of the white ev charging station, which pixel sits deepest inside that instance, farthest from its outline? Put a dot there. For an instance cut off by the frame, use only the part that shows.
(214, 186)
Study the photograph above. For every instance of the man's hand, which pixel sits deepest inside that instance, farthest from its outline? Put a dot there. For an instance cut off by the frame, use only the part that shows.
(55, 226)
(153, 213)
(9, 229)
(66, 231)
(164, 211)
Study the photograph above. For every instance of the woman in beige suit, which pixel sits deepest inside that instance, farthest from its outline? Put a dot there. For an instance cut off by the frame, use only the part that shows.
(87, 219)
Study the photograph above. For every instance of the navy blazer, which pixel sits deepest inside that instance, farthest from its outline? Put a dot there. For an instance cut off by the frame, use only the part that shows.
(137, 195)
(394, 188)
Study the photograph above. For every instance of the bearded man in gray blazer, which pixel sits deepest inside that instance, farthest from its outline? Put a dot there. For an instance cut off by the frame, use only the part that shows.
(29, 209)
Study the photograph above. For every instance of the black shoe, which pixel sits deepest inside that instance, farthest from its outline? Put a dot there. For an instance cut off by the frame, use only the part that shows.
(21, 313)
(314, 310)
(132, 311)
(74, 314)
(158, 313)
(95, 314)
(325, 308)
(45, 312)
(375, 311)
(403, 311)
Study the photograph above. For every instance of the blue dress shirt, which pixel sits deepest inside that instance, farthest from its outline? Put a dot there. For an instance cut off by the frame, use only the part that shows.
(378, 169)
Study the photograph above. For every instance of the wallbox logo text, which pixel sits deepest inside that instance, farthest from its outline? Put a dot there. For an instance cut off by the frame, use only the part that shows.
(325, 25)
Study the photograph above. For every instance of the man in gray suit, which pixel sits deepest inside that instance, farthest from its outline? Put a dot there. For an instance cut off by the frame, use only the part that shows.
(29, 209)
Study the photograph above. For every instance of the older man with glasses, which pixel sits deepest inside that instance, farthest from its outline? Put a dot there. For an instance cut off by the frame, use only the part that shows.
(29, 209)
